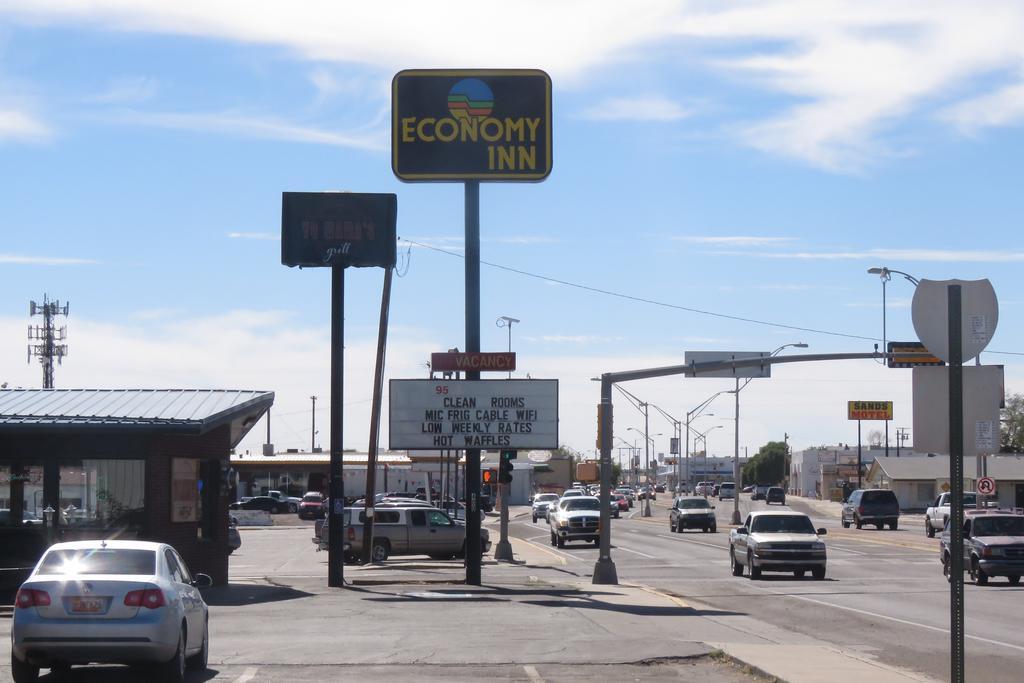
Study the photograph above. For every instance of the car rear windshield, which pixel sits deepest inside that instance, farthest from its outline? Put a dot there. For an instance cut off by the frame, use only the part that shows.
(879, 497)
(547, 496)
(692, 503)
(582, 504)
(999, 526)
(782, 524)
(313, 497)
(99, 561)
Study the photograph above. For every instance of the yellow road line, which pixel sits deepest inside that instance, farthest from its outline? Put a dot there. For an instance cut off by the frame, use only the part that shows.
(654, 591)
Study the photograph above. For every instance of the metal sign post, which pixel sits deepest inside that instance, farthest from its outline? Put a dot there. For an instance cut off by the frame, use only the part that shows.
(337, 230)
(956, 479)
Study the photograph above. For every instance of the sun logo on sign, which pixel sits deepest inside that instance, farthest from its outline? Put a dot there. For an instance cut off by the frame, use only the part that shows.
(470, 97)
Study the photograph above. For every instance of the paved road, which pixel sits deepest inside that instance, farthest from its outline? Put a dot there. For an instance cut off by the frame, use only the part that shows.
(884, 594)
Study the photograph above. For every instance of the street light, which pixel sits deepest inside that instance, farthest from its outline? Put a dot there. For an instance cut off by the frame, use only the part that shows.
(692, 415)
(648, 441)
(505, 321)
(885, 274)
(704, 437)
(736, 453)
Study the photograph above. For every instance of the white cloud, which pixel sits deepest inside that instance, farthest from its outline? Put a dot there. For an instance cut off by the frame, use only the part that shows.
(268, 236)
(23, 260)
(247, 126)
(852, 69)
(128, 89)
(641, 108)
(735, 241)
(1000, 108)
(931, 255)
(20, 126)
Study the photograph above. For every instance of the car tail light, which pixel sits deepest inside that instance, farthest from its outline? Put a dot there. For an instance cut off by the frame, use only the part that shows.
(860, 510)
(30, 597)
(150, 598)
(351, 534)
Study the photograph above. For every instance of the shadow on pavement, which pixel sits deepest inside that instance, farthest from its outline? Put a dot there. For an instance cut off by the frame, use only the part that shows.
(118, 674)
(236, 594)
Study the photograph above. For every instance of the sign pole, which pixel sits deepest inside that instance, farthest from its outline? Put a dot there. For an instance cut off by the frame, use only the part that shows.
(604, 569)
(472, 209)
(371, 453)
(956, 478)
(858, 454)
(335, 555)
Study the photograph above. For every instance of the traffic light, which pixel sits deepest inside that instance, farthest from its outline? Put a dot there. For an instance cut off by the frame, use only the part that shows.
(488, 476)
(505, 468)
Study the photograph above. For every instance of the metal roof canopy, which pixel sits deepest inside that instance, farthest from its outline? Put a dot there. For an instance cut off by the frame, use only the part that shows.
(188, 411)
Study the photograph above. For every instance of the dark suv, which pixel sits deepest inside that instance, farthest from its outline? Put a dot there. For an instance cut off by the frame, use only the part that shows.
(775, 494)
(871, 506)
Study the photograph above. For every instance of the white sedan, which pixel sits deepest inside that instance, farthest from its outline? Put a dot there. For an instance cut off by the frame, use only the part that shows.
(118, 602)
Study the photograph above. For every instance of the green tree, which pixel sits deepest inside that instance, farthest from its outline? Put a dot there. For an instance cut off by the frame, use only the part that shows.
(1011, 428)
(768, 466)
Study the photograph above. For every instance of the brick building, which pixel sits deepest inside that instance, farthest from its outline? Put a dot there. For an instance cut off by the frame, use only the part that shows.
(123, 463)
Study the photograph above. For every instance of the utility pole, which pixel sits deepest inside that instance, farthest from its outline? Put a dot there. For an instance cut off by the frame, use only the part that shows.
(48, 335)
(312, 438)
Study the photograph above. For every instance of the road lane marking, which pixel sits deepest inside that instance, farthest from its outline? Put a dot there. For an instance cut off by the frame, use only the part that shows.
(554, 553)
(876, 615)
(635, 552)
(247, 675)
(531, 671)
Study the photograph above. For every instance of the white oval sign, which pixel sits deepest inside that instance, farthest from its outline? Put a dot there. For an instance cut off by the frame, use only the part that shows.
(979, 314)
(539, 456)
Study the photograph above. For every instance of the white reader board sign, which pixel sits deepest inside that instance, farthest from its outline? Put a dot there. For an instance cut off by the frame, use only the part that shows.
(490, 414)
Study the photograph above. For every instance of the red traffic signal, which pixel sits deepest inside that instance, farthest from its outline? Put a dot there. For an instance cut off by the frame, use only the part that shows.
(488, 476)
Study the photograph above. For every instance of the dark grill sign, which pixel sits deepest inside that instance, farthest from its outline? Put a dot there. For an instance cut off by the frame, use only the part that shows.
(471, 124)
(338, 228)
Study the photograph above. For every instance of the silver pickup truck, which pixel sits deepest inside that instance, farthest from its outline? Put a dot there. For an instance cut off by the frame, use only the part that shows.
(414, 530)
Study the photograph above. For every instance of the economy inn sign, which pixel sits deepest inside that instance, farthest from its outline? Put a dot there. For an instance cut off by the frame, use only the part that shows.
(471, 124)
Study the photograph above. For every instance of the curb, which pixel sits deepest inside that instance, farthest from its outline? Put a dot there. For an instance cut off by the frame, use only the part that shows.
(718, 653)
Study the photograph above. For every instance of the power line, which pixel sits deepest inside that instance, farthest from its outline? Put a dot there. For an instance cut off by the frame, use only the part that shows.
(653, 302)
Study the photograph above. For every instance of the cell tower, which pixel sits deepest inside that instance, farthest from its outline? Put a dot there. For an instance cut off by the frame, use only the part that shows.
(49, 336)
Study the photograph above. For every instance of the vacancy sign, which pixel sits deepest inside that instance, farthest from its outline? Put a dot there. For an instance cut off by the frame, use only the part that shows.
(428, 414)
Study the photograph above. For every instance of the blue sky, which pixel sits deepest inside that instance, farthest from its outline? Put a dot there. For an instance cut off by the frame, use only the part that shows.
(748, 159)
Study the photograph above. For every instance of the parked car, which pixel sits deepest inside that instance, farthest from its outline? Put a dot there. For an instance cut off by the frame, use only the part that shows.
(403, 530)
(541, 501)
(575, 519)
(993, 546)
(291, 502)
(777, 541)
(312, 506)
(692, 512)
(119, 602)
(871, 506)
(775, 494)
(727, 490)
(265, 503)
(936, 516)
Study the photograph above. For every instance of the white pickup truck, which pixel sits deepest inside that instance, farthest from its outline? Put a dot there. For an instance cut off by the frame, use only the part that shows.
(935, 517)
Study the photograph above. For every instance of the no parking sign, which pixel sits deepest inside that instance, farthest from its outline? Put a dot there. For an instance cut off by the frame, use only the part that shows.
(986, 486)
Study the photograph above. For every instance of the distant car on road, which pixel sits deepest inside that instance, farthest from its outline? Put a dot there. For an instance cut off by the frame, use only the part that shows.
(727, 490)
(575, 519)
(692, 512)
(775, 494)
(936, 516)
(541, 501)
(629, 493)
(777, 541)
(621, 501)
(993, 546)
(660, 488)
(871, 506)
(117, 602)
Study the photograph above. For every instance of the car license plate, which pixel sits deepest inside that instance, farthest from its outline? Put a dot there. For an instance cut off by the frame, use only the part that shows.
(88, 605)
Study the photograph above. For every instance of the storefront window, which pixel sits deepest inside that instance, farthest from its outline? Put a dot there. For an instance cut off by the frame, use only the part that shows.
(105, 494)
(21, 490)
